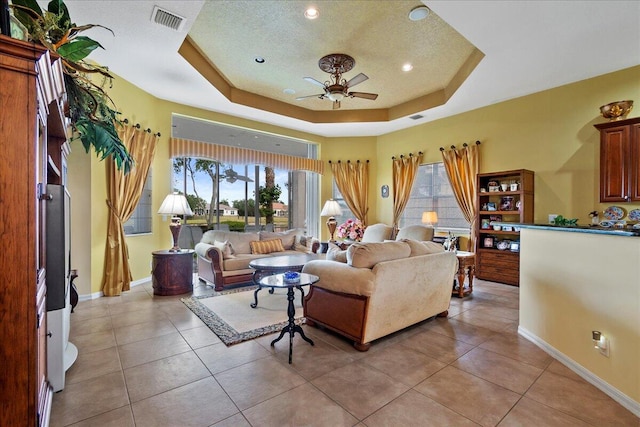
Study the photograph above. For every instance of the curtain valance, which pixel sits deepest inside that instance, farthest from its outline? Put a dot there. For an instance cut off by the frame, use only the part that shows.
(179, 147)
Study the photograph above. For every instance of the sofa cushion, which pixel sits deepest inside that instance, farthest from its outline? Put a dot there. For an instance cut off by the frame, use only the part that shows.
(423, 248)
(334, 253)
(267, 246)
(303, 243)
(239, 263)
(377, 233)
(288, 237)
(366, 255)
(225, 248)
(418, 232)
(240, 242)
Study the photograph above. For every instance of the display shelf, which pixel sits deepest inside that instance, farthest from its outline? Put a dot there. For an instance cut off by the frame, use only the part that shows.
(510, 205)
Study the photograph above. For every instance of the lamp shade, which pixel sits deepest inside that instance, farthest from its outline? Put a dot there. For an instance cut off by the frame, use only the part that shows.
(175, 204)
(429, 217)
(331, 208)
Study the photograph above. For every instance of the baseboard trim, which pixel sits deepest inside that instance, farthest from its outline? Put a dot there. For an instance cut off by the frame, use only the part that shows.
(97, 295)
(587, 375)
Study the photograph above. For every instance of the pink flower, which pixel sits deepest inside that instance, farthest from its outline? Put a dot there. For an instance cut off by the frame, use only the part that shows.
(351, 229)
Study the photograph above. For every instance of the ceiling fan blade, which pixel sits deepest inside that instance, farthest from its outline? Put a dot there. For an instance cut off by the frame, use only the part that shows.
(314, 81)
(357, 80)
(336, 105)
(318, 95)
(365, 95)
(244, 178)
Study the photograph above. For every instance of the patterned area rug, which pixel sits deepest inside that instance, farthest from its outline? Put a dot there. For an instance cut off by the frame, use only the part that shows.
(229, 315)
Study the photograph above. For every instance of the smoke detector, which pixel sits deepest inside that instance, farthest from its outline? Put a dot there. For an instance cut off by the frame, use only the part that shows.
(167, 19)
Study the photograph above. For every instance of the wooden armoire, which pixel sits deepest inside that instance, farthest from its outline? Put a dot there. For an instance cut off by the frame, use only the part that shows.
(33, 138)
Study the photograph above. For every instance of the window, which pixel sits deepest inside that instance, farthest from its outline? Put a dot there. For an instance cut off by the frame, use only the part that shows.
(141, 219)
(432, 192)
(346, 212)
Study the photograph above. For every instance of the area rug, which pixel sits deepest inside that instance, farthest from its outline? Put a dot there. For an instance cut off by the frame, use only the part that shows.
(232, 319)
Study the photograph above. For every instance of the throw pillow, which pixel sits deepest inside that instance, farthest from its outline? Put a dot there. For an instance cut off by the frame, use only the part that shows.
(225, 248)
(287, 237)
(334, 253)
(267, 246)
(303, 243)
(423, 248)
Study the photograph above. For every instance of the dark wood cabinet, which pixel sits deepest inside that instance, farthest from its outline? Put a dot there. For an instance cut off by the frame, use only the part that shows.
(620, 160)
(31, 99)
(172, 272)
(497, 251)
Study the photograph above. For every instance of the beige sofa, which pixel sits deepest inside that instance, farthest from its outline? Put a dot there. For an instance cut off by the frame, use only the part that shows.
(224, 256)
(380, 289)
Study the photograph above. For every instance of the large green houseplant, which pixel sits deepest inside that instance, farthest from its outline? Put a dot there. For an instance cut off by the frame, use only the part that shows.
(92, 112)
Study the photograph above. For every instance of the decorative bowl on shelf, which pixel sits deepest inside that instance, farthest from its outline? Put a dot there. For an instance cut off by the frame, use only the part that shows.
(616, 110)
(504, 245)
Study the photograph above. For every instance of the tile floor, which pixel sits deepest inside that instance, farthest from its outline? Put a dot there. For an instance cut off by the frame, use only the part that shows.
(148, 361)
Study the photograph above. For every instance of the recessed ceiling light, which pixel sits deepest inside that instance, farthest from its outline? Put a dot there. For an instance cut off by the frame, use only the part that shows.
(259, 59)
(407, 67)
(311, 13)
(418, 13)
(289, 91)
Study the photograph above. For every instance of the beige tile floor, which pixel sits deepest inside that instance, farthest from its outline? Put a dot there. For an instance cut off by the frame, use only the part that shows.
(148, 361)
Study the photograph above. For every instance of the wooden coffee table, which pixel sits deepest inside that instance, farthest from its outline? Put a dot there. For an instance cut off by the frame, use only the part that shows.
(278, 281)
(269, 266)
(466, 264)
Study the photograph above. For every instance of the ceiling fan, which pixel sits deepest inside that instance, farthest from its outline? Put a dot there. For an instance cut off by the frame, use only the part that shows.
(232, 176)
(337, 88)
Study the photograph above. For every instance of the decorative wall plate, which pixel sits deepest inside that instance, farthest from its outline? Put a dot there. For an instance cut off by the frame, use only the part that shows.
(607, 224)
(614, 213)
(634, 214)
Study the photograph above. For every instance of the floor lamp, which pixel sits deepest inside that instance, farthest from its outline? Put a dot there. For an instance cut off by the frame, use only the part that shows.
(331, 209)
(175, 204)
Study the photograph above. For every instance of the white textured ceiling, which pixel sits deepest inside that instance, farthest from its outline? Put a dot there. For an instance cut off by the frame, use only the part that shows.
(529, 46)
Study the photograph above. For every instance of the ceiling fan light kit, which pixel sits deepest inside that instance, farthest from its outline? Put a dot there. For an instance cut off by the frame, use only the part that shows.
(337, 88)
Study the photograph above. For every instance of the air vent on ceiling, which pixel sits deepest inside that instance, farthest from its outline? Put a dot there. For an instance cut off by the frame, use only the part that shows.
(416, 117)
(167, 19)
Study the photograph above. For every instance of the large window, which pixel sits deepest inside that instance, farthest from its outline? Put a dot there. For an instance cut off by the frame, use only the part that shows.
(432, 192)
(141, 218)
(346, 212)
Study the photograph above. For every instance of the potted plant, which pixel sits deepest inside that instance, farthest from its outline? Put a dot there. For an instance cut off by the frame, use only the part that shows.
(92, 112)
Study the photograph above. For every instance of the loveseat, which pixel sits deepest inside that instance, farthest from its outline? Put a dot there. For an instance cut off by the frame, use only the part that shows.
(224, 256)
(374, 289)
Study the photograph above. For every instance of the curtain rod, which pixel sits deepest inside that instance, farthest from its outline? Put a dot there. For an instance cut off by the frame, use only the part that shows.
(453, 147)
(348, 161)
(410, 155)
(137, 126)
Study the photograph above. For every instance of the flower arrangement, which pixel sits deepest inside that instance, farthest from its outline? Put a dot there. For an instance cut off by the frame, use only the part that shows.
(352, 229)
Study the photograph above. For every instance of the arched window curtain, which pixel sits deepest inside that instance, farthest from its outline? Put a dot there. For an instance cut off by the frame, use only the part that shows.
(462, 167)
(404, 174)
(123, 194)
(352, 180)
(179, 147)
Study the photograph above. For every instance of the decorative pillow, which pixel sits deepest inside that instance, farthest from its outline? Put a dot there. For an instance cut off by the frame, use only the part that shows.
(334, 253)
(225, 247)
(423, 248)
(303, 243)
(267, 246)
(288, 237)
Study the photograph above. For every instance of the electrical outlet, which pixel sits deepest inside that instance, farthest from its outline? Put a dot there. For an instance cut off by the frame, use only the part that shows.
(603, 346)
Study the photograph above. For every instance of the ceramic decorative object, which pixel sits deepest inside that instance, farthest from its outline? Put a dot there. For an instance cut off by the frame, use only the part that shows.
(616, 110)
(504, 245)
(634, 214)
(614, 213)
(291, 276)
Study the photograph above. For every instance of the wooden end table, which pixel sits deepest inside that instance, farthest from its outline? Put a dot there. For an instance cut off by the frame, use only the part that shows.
(466, 264)
(172, 272)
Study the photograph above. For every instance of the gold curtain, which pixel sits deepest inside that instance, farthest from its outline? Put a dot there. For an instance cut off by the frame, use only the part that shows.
(404, 174)
(123, 193)
(352, 180)
(462, 167)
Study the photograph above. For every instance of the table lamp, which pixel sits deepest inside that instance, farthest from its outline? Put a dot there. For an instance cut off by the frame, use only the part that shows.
(429, 218)
(175, 204)
(331, 209)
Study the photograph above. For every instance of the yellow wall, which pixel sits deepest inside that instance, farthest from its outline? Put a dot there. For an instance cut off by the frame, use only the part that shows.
(550, 132)
(575, 283)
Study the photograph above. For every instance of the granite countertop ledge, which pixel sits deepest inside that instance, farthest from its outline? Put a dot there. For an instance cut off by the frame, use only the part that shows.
(576, 229)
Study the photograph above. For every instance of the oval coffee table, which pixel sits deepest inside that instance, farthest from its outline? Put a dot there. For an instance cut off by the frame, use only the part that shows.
(268, 266)
(277, 281)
